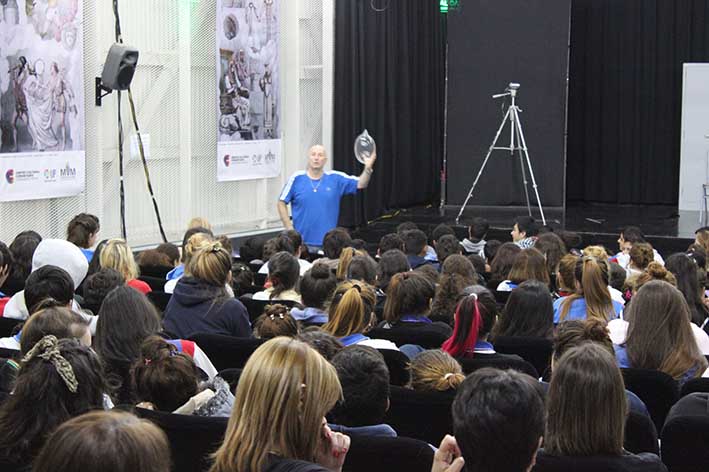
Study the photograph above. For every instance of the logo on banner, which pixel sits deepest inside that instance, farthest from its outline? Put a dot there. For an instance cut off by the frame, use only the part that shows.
(270, 158)
(50, 175)
(227, 160)
(10, 176)
(68, 172)
(256, 159)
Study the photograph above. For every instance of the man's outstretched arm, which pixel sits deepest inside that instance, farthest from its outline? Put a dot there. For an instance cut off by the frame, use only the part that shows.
(366, 174)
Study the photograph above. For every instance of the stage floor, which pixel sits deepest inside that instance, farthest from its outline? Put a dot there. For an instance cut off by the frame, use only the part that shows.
(667, 229)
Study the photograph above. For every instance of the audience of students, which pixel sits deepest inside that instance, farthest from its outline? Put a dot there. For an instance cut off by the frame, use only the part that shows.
(319, 362)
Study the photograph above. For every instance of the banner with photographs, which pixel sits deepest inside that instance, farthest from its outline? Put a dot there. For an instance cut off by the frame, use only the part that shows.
(248, 81)
(41, 99)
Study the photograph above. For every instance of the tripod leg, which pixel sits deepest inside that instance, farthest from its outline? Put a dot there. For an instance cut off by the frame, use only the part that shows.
(518, 146)
(482, 167)
(531, 171)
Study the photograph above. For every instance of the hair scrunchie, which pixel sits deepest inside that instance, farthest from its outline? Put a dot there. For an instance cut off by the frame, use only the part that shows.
(47, 349)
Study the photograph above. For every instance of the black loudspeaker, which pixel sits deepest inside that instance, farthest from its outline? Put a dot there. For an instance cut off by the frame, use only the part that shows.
(118, 70)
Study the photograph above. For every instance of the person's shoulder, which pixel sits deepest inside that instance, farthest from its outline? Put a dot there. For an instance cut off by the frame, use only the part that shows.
(341, 175)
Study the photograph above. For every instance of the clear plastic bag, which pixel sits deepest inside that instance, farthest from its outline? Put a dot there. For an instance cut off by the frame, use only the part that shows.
(364, 146)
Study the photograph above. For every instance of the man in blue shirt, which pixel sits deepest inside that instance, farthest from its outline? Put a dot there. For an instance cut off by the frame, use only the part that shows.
(314, 195)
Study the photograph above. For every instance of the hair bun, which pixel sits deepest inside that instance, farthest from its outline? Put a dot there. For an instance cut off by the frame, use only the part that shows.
(656, 270)
(596, 330)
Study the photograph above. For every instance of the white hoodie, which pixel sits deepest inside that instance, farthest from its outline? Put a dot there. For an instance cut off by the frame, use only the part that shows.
(56, 252)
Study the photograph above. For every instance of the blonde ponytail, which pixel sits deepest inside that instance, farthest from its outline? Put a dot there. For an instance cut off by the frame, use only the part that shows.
(435, 370)
(350, 310)
(211, 263)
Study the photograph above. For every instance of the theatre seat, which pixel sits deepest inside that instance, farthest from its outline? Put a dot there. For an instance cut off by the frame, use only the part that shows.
(192, 438)
(686, 435)
(7, 326)
(388, 454)
(420, 415)
(407, 335)
(640, 434)
(503, 363)
(226, 352)
(536, 351)
(700, 385)
(656, 389)
(398, 364)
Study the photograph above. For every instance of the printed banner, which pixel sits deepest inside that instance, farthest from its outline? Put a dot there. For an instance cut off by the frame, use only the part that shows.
(248, 80)
(41, 99)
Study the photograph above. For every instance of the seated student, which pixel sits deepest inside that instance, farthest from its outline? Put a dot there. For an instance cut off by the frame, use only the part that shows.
(201, 303)
(326, 344)
(411, 226)
(440, 231)
(477, 232)
(56, 252)
(640, 256)
(475, 317)
(592, 299)
(502, 264)
(82, 231)
(408, 303)
(388, 242)
(529, 264)
(333, 243)
(565, 278)
(480, 268)
(346, 257)
(391, 262)
(199, 222)
(415, 244)
(109, 441)
(617, 278)
(364, 269)
(284, 242)
(498, 421)
(278, 420)
(98, 285)
(553, 249)
(364, 377)
(435, 371)
(587, 375)
(599, 252)
(574, 333)
(117, 255)
(59, 379)
(46, 282)
(154, 260)
(165, 379)
(21, 249)
(457, 273)
(284, 272)
(447, 246)
(275, 321)
(351, 315)
(660, 334)
(528, 313)
(47, 319)
(179, 270)
(629, 236)
(126, 319)
(171, 251)
(524, 232)
(686, 271)
(316, 288)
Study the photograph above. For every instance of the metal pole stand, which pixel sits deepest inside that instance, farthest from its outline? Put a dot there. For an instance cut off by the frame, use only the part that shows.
(517, 143)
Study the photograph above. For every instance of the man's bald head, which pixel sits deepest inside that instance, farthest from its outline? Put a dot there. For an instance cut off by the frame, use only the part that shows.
(317, 157)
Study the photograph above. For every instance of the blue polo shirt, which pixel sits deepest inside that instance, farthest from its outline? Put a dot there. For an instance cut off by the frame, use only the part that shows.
(316, 203)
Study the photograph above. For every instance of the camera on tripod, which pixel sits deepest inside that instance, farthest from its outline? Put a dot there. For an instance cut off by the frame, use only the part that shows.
(512, 86)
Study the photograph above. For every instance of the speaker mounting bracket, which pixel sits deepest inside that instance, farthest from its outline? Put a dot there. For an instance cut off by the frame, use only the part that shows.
(101, 91)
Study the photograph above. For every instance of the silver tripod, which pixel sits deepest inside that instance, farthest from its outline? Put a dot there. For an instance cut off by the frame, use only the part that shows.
(517, 143)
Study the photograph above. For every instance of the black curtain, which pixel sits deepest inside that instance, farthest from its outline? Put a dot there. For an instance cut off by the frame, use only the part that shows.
(389, 79)
(625, 96)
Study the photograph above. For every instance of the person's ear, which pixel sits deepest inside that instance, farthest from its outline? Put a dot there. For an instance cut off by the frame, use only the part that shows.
(388, 404)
